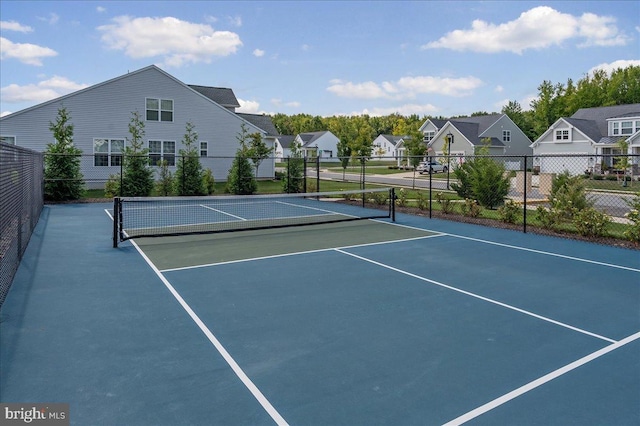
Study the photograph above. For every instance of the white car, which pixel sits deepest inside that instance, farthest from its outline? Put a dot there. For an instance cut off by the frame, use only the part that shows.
(431, 167)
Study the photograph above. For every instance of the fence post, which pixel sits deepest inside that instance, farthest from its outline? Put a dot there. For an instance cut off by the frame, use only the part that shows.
(430, 191)
(304, 175)
(120, 193)
(524, 198)
(318, 174)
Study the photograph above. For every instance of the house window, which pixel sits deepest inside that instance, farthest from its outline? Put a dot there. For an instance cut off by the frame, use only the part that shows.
(506, 136)
(162, 150)
(107, 152)
(11, 140)
(204, 149)
(624, 127)
(428, 136)
(562, 135)
(159, 109)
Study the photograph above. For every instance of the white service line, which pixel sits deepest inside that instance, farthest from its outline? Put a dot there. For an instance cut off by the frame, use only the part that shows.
(547, 253)
(540, 381)
(258, 395)
(223, 212)
(477, 296)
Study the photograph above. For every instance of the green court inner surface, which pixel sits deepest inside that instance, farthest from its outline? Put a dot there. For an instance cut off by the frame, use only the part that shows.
(226, 247)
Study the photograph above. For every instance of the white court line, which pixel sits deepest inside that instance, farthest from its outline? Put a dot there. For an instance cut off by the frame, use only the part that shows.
(220, 211)
(546, 253)
(258, 395)
(540, 381)
(274, 256)
(477, 296)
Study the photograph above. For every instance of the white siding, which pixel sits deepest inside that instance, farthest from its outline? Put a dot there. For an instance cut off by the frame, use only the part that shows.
(104, 111)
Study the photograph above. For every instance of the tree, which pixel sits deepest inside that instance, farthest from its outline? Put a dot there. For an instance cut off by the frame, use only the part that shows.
(482, 179)
(294, 178)
(241, 180)
(258, 150)
(63, 178)
(624, 162)
(137, 179)
(189, 173)
(416, 149)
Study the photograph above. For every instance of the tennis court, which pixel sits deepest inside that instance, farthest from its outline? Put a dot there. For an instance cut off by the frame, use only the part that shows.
(417, 321)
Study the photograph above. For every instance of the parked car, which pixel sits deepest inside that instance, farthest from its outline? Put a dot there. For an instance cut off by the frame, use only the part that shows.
(431, 167)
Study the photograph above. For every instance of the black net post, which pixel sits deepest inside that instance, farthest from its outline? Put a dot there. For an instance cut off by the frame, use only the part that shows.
(116, 221)
(392, 206)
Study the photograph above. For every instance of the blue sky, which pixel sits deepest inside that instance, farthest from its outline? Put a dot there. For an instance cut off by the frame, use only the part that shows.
(321, 58)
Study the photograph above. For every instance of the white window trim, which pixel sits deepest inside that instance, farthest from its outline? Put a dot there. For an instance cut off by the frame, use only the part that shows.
(159, 110)
(556, 139)
(162, 154)
(15, 139)
(206, 149)
(109, 152)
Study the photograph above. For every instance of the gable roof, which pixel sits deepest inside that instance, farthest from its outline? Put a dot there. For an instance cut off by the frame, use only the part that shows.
(262, 121)
(483, 121)
(286, 140)
(600, 115)
(219, 95)
(128, 74)
(472, 132)
(392, 139)
(589, 127)
(310, 137)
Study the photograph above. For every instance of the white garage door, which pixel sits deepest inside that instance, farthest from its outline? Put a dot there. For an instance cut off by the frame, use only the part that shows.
(558, 164)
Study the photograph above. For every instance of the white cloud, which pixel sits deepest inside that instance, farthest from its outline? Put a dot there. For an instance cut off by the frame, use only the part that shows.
(3, 113)
(248, 107)
(235, 21)
(499, 89)
(101, 9)
(43, 91)
(177, 41)
(405, 87)
(366, 90)
(15, 26)
(305, 47)
(258, 53)
(537, 28)
(407, 109)
(27, 53)
(52, 19)
(615, 65)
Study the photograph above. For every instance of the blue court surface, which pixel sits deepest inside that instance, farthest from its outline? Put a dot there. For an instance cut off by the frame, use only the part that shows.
(417, 322)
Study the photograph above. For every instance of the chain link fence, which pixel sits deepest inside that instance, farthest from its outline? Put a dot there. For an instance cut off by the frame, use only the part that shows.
(572, 195)
(21, 202)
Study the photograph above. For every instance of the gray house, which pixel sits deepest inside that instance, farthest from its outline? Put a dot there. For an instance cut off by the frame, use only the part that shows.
(468, 134)
(594, 135)
(101, 115)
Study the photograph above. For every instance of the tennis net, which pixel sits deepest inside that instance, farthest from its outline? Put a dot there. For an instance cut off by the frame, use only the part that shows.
(137, 217)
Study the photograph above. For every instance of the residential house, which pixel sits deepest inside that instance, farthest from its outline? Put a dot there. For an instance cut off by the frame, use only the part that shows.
(386, 146)
(592, 136)
(283, 146)
(463, 136)
(102, 113)
(322, 144)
